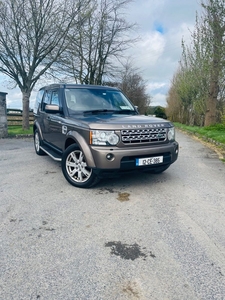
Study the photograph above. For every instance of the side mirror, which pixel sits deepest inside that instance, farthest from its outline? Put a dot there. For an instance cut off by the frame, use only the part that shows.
(136, 107)
(53, 109)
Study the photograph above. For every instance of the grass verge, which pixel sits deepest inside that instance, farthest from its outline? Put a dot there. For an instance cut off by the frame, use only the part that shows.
(15, 130)
(214, 135)
(215, 132)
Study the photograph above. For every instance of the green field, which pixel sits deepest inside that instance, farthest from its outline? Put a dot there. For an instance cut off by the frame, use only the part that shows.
(14, 130)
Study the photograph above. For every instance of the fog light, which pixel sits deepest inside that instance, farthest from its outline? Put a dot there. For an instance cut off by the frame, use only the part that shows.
(177, 149)
(110, 156)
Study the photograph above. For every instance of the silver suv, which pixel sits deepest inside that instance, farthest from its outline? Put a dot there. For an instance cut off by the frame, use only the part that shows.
(95, 131)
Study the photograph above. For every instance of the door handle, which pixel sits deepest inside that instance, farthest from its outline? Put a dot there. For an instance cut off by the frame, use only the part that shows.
(53, 120)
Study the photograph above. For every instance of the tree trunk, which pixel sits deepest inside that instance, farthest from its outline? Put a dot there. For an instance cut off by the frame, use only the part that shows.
(26, 101)
(211, 102)
(218, 34)
(210, 116)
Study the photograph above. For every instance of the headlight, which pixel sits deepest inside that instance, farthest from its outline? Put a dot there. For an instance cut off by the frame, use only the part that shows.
(100, 137)
(171, 134)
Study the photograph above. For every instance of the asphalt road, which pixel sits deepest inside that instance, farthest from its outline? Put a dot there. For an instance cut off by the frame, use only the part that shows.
(141, 236)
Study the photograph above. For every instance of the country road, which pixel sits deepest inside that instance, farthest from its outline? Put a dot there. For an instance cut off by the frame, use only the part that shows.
(140, 236)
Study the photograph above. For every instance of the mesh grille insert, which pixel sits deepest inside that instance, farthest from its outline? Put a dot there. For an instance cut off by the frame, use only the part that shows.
(143, 135)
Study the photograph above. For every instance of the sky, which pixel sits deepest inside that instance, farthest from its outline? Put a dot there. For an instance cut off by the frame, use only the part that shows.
(161, 26)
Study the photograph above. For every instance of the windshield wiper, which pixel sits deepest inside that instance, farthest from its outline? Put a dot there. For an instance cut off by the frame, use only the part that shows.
(96, 111)
(115, 111)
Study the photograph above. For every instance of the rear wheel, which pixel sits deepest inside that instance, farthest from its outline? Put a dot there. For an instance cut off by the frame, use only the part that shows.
(75, 169)
(37, 143)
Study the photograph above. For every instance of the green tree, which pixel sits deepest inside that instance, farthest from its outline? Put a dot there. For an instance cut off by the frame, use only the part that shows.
(160, 112)
(199, 83)
(214, 35)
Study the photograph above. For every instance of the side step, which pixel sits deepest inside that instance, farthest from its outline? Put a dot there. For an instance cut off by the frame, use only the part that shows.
(53, 154)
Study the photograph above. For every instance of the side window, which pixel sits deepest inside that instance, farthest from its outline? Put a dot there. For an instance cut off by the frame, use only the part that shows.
(38, 100)
(46, 99)
(55, 98)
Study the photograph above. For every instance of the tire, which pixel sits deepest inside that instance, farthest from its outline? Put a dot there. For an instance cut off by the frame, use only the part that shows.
(75, 169)
(37, 143)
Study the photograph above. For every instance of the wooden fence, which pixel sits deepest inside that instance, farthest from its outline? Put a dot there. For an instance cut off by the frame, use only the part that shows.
(15, 117)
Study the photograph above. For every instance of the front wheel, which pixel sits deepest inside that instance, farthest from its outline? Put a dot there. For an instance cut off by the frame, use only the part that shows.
(75, 169)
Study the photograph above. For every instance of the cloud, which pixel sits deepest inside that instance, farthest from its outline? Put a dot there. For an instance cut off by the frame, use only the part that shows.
(158, 92)
(145, 12)
(149, 49)
(154, 86)
(162, 26)
(158, 100)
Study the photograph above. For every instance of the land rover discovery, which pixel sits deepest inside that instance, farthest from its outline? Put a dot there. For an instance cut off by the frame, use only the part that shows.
(95, 131)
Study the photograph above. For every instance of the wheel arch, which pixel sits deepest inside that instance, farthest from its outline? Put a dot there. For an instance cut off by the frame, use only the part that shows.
(70, 141)
(38, 127)
(74, 137)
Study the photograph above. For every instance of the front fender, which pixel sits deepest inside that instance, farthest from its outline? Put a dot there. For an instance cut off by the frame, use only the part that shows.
(37, 125)
(84, 146)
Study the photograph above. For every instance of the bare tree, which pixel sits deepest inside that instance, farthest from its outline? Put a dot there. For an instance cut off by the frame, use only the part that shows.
(32, 37)
(96, 47)
(133, 85)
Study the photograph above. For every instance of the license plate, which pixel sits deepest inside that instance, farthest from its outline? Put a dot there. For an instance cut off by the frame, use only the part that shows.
(149, 161)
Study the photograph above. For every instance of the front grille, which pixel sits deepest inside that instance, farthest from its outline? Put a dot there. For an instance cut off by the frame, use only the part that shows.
(131, 136)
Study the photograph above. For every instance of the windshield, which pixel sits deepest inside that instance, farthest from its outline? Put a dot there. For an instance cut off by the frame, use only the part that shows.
(96, 100)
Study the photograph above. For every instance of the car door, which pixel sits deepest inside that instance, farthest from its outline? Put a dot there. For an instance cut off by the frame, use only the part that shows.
(52, 122)
(43, 122)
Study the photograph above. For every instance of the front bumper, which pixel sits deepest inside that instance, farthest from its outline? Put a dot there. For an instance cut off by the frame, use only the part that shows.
(124, 158)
